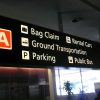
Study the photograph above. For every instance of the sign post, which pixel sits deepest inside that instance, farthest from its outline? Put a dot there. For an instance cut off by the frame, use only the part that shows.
(27, 45)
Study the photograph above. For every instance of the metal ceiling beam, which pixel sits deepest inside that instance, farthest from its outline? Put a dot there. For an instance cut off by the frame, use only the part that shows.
(59, 15)
(91, 5)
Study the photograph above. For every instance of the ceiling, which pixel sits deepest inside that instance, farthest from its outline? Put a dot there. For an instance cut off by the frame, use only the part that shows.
(64, 6)
(87, 11)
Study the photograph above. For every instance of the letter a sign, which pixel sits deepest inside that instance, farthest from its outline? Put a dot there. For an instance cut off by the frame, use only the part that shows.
(5, 39)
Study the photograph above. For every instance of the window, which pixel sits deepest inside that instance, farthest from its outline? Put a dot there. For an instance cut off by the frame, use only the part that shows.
(80, 78)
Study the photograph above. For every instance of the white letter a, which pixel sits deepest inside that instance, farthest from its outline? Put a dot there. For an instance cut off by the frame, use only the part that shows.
(3, 38)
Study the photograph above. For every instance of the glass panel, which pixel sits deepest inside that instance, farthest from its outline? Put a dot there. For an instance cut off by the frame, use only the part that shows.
(72, 75)
(89, 78)
(85, 83)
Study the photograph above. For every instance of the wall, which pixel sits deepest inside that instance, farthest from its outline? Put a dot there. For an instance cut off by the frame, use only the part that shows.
(24, 83)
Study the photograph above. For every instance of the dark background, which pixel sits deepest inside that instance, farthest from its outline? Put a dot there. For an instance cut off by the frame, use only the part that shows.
(24, 84)
(13, 57)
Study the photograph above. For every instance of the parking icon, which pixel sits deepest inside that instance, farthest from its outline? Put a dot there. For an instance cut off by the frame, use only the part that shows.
(25, 55)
